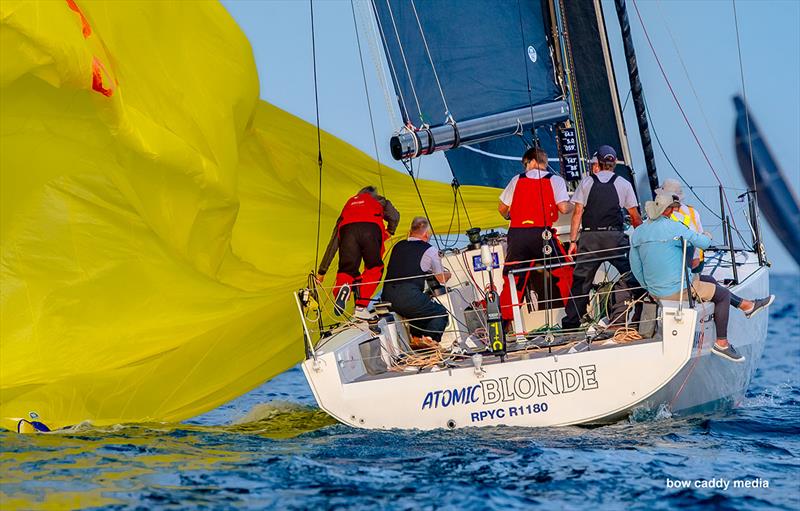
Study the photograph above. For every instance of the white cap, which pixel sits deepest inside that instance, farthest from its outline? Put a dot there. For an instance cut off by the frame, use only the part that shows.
(655, 208)
(671, 186)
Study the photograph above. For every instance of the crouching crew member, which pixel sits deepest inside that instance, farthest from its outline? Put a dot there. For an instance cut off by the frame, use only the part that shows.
(532, 201)
(657, 261)
(599, 201)
(412, 261)
(358, 235)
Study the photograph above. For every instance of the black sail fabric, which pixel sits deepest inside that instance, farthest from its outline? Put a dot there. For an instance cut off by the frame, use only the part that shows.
(595, 88)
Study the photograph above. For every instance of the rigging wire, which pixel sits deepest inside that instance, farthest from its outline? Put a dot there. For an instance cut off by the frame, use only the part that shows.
(525, 60)
(409, 165)
(366, 91)
(463, 204)
(683, 112)
(430, 58)
(685, 182)
(392, 70)
(674, 168)
(448, 114)
(405, 62)
(744, 95)
(319, 135)
(626, 100)
(694, 91)
(546, 245)
(453, 213)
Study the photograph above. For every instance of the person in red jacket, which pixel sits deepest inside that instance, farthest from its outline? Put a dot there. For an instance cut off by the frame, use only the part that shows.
(358, 235)
(532, 201)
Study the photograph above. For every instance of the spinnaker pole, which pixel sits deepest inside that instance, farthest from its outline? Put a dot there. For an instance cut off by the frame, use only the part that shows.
(637, 93)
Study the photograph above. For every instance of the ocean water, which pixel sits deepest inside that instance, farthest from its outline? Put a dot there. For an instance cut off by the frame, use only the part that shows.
(272, 448)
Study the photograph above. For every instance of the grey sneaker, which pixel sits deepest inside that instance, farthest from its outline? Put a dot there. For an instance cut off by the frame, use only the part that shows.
(759, 305)
(362, 313)
(728, 352)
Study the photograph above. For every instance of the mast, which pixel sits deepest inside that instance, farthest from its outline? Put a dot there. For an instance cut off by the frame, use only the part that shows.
(637, 93)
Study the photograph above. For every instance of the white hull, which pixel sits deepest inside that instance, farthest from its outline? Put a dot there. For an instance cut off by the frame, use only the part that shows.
(674, 370)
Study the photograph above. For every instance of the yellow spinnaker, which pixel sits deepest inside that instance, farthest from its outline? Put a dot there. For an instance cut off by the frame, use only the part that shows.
(156, 216)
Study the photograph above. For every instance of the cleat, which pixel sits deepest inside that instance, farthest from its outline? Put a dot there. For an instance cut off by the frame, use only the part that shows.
(728, 352)
(759, 305)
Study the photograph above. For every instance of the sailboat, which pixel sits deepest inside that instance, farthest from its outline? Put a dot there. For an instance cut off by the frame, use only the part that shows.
(481, 81)
(762, 174)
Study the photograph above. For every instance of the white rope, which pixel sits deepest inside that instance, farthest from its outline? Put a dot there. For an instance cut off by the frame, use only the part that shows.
(491, 155)
(369, 26)
(430, 58)
(405, 62)
(500, 156)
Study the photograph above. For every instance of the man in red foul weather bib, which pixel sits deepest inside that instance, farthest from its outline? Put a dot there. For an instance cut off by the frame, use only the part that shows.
(359, 235)
(532, 201)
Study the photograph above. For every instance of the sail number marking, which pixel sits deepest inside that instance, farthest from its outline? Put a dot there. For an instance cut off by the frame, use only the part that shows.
(511, 411)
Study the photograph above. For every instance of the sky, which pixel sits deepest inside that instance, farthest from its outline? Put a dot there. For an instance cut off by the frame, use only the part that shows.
(694, 39)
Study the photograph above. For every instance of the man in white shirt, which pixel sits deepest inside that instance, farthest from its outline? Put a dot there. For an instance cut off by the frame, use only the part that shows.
(531, 201)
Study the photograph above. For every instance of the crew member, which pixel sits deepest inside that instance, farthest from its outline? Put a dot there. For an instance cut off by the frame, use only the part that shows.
(358, 235)
(532, 201)
(687, 215)
(413, 260)
(599, 201)
(656, 259)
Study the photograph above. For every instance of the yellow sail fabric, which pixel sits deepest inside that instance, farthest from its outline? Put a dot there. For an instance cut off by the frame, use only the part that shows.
(156, 216)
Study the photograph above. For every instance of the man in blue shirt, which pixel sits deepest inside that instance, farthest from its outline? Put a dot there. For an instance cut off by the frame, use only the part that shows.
(657, 261)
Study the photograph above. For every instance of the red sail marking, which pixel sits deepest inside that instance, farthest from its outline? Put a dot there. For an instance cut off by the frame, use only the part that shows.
(97, 66)
(97, 78)
(86, 28)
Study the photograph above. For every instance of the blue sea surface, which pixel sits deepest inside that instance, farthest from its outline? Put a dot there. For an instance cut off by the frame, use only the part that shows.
(272, 448)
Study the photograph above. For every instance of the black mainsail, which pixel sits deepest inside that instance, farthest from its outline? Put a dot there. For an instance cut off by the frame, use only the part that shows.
(471, 72)
(483, 81)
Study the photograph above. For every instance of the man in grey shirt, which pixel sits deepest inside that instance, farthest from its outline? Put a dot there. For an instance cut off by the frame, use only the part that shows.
(413, 261)
(599, 201)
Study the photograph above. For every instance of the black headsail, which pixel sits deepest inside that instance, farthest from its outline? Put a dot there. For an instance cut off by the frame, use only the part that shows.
(471, 72)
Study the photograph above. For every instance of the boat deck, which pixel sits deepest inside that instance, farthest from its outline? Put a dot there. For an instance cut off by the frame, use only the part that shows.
(526, 350)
